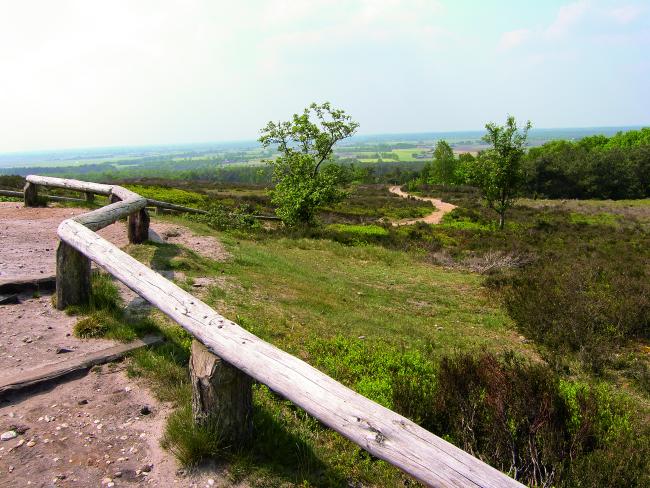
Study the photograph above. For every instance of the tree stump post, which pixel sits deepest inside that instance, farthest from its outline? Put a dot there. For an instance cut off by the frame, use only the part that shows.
(31, 195)
(222, 394)
(90, 197)
(72, 277)
(138, 227)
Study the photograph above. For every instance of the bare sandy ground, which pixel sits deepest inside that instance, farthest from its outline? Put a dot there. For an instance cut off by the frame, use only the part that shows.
(434, 217)
(28, 239)
(89, 431)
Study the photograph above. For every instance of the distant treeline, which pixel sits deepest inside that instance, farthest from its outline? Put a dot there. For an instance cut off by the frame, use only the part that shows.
(614, 167)
(600, 167)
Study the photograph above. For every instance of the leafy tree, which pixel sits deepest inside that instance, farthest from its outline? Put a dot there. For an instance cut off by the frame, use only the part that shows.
(498, 170)
(444, 163)
(303, 179)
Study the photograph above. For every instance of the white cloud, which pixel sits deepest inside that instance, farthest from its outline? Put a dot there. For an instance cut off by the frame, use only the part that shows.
(627, 13)
(512, 39)
(567, 17)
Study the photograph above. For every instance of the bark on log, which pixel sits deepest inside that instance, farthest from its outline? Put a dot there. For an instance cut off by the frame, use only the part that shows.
(138, 227)
(221, 396)
(72, 277)
(31, 195)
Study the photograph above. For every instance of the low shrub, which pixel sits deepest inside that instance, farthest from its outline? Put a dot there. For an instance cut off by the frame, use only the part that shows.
(521, 418)
(590, 305)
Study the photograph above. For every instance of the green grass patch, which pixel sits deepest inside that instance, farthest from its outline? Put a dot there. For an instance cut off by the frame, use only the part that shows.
(606, 219)
(357, 232)
(104, 316)
(170, 195)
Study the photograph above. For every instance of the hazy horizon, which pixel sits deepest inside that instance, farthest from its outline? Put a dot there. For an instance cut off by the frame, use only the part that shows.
(84, 73)
(360, 135)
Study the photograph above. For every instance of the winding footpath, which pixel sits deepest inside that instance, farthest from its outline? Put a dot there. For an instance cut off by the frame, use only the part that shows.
(434, 217)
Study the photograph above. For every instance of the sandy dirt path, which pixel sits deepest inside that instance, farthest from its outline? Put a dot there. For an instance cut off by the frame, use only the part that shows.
(89, 431)
(434, 217)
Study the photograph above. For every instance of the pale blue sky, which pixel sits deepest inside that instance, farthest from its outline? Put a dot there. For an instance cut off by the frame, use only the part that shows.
(127, 72)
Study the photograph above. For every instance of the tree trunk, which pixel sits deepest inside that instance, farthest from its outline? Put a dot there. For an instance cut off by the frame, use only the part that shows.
(502, 221)
(138, 227)
(72, 277)
(31, 195)
(220, 394)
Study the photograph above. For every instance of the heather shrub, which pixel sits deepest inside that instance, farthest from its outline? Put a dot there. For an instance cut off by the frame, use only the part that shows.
(589, 306)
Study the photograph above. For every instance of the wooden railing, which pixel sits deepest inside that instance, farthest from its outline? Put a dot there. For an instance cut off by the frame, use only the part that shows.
(223, 381)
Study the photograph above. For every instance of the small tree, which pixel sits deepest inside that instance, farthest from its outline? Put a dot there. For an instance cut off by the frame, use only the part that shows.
(303, 183)
(498, 170)
(444, 163)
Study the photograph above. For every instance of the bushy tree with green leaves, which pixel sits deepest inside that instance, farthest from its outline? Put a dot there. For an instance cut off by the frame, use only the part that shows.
(304, 181)
(498, 170)
(444, 164)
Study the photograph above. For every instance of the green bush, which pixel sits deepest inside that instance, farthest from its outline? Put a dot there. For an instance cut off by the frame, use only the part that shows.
(521, 418)
(589, 305)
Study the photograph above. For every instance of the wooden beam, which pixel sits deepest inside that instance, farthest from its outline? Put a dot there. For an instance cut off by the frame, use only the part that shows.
(173, 206)
(18, 286)
(10, 193)
(221, 396)
(55, 198)
(27, 379)
(30, 195)
(138, 227)
(72, 277)
(380, 431)
(67, 184)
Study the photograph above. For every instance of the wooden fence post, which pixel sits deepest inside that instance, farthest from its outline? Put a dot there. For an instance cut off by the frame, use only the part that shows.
(31, 195)
(90, 197)
(72, 277)
(221, 393)
(138, 227)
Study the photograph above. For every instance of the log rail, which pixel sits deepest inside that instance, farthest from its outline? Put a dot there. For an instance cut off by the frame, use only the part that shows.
(382, 432)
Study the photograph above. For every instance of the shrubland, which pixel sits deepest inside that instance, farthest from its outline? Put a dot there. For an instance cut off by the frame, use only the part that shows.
(523, 346)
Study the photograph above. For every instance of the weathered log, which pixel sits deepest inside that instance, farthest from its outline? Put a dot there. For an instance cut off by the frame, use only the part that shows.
(72, 277)
(221, 396)
(105, 216)
(73, 365)
(55, 198)
(31, 195)
(380, 431)
(138, 227)
(67, 184)
(173, 206)
(11, 193)
(41, 283)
